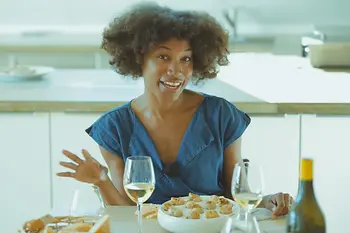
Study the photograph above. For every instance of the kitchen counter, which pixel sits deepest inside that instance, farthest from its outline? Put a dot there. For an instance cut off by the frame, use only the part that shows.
(93, 45)
(256, 83)
(88, 40)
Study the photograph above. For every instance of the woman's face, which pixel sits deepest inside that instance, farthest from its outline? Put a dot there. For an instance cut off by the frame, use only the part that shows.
(167, 68)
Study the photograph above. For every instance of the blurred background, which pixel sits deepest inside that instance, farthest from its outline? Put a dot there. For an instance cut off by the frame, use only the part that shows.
(289, 71)
(254, 25)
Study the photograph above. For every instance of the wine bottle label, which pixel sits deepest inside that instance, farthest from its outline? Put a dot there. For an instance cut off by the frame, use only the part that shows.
(306, 172)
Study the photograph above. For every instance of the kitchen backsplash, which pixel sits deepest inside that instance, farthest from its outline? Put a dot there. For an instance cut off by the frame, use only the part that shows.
(253, 14)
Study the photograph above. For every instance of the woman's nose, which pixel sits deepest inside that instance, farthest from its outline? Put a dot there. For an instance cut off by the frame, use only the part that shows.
(174, 69)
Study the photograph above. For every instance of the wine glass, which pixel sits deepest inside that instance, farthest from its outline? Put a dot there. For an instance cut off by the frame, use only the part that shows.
(247, 187)
(139, 182)
(87, 201)
(232, 226)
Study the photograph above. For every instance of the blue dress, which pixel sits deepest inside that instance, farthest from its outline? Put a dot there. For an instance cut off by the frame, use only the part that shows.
(198, 168)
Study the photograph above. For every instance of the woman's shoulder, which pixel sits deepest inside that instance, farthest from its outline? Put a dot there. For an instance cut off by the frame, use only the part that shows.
(211, 101)
(113, 129)
(118, 117)
(224, 117)
(120, 112)
(216, 103)
(223, 110)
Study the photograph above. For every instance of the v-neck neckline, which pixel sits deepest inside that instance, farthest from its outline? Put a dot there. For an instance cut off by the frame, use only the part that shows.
(140, 130)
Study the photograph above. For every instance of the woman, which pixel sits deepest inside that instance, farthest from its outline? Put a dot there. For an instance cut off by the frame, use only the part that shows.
(194, 139)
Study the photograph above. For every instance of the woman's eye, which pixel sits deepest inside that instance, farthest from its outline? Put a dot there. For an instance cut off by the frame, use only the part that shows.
(163, 57)
(187, 59)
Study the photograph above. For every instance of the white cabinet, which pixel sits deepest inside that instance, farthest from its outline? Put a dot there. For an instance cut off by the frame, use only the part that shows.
(4, 60)
(68, 132)
(25, 168)
(66, 60)
(273, 143)
(58, 59)
(326, 140)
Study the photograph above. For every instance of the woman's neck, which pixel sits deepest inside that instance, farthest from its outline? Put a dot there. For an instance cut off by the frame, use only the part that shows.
(153, 106)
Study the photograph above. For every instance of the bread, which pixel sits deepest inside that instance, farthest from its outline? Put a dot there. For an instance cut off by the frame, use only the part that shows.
(77, 227)
(176, 212)
(194, 215)
(226, 209)
(194, 197)
(39, 224)
(177, 201)
(211, 214)
(47, 229)
(67, 224)
(102, 225)
(210, 205)
(150, 211)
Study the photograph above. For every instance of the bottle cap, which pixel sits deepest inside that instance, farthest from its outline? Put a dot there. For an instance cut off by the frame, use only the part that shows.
(306, 169)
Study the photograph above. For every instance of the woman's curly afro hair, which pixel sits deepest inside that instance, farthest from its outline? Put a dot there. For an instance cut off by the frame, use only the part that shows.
(130, 36)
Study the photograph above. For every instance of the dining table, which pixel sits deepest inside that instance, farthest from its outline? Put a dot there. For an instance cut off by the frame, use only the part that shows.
(123, 219)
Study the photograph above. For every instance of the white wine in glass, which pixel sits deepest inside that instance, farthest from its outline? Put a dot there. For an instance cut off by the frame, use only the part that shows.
(247, 186)
(139, 192)
(139, 182)
(248, 200)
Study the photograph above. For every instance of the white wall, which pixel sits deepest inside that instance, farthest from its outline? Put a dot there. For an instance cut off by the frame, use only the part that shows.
(99, 12)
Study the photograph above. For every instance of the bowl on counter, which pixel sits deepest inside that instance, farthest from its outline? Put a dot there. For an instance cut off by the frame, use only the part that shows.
(330, 55)
(23, 73)
(174, 221)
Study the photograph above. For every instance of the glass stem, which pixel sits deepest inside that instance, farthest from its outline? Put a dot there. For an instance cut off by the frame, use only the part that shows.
(246, 213)
(139, 213)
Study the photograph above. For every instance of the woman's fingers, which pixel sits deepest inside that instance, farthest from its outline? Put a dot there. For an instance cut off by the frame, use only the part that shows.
(72, 157)
(280, 204)
(65, 174)
(287, 201)
(69, 165)
(86, 154)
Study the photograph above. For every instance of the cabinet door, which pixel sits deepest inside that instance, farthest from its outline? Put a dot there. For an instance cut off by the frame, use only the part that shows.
(326, 140)
(25, 168)
(57, 59)
(4, 60)
(273, 143)
(68, 132)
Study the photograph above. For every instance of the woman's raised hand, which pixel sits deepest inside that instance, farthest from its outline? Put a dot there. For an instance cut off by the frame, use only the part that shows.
(87, 171)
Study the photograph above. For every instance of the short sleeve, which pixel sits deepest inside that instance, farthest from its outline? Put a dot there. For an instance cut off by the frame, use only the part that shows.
(105, 132)
(235, 122)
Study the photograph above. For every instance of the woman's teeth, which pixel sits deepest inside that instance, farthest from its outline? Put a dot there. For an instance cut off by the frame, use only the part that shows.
(173, 84)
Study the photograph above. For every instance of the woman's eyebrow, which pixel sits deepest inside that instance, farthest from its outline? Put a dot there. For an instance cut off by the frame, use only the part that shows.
(164, 47)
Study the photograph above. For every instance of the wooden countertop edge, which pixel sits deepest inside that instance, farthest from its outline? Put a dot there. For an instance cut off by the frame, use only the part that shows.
(249, 107)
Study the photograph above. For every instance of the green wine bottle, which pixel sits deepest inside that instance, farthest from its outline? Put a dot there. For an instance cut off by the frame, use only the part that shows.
(305, 215)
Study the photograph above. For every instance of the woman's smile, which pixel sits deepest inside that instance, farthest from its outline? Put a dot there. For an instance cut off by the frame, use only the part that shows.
(172, 85)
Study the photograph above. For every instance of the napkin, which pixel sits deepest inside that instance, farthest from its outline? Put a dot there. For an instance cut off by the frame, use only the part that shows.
(262, 214)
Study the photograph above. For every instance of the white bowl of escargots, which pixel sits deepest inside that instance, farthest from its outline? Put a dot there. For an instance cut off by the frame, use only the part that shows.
(195, 213)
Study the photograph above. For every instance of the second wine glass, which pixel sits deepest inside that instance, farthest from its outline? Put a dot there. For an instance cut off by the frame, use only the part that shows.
(139, 182)
(247, 186)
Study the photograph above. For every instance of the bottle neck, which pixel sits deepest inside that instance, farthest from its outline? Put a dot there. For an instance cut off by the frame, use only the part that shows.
(306, 189)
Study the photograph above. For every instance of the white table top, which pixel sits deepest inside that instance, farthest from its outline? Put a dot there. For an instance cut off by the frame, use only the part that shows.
(124, 220)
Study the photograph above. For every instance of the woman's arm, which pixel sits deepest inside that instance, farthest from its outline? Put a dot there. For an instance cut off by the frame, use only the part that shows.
(232, 155)
(112, 191)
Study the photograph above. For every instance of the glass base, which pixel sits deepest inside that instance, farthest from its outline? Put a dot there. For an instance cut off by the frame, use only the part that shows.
(241, 223)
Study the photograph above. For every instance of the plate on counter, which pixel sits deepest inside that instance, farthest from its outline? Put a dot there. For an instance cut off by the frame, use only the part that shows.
(24, 73)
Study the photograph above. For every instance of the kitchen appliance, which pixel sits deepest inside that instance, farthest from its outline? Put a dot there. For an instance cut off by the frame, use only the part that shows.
(327, 47)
